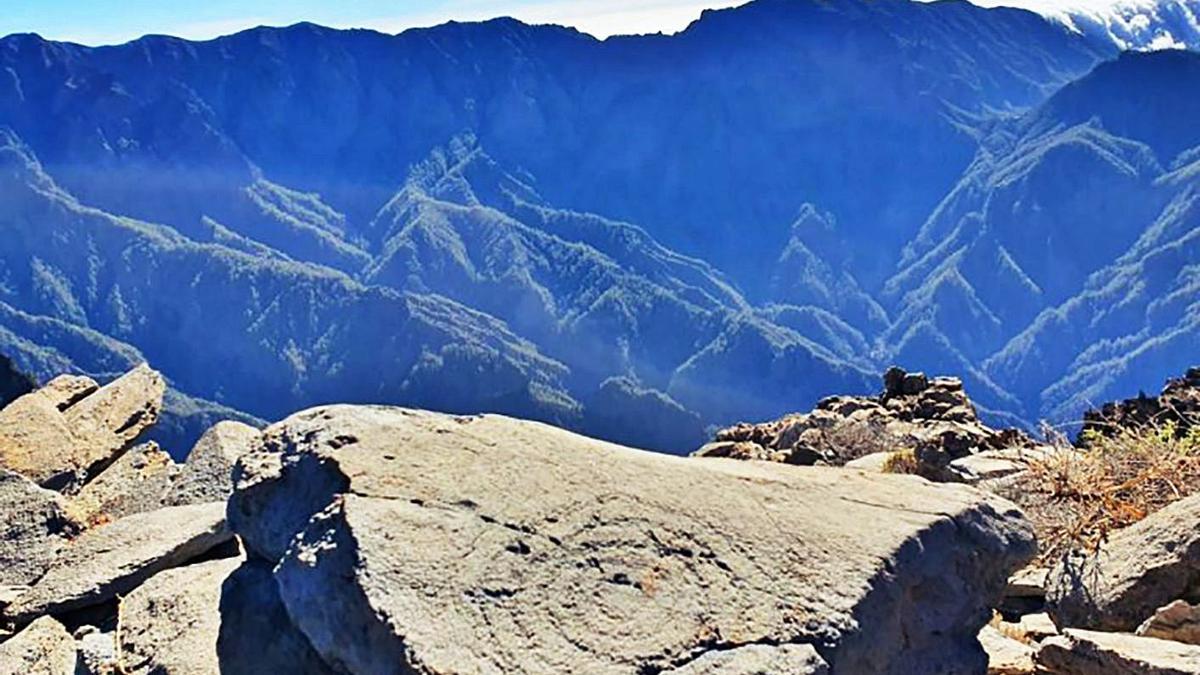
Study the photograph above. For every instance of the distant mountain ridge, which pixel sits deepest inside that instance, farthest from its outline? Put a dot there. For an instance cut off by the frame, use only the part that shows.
(637, 238)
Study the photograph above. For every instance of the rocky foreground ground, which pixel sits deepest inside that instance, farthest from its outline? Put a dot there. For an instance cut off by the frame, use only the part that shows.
(359, 539)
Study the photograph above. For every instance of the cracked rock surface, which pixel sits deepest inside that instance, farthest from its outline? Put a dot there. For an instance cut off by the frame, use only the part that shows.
(417, 542)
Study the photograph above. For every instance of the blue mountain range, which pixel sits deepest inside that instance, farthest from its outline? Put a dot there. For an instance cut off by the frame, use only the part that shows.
(638, 238)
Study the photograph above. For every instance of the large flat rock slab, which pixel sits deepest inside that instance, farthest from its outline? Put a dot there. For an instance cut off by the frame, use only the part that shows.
(486, 544)
(1084, 652)
(1138, 570)
(114, 559)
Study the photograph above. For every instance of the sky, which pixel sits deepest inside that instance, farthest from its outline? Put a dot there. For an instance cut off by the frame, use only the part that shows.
(95, 22)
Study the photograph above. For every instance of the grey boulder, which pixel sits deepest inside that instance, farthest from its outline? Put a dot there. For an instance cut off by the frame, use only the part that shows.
(415, 542)
(139, 481)
(1138, 570)
(33, 527)
(206, 475)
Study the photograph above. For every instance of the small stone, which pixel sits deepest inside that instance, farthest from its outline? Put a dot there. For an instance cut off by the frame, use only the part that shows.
(97, 653)
(1178, 621)
(1028, 583)
(1031, 627)
(1006, 656)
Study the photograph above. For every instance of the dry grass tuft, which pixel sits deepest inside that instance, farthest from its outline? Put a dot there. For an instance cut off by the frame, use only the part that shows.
(1076, 498)
(902, 461)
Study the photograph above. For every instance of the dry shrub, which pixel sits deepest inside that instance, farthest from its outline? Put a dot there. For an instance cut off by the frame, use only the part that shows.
(1076, 498)
(902, 461)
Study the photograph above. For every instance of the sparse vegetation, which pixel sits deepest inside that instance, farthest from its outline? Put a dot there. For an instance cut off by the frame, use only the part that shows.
(903, 461)
(1076, 498)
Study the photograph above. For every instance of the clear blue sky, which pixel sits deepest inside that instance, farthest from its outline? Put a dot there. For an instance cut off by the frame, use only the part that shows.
(113, 21)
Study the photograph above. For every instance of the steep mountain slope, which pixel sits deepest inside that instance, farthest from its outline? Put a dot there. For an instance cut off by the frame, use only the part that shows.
(1062, 260)
(636, 238)
(274, 335)
(669, 132)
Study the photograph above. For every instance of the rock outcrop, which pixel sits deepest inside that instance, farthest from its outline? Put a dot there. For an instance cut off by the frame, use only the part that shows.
(69, 430)
(1178, 403)
(931, 418)
(457, 544)
(110, 526)
(1138, 570)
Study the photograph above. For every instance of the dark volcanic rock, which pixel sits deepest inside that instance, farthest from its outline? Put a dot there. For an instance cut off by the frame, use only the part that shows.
(1178, 404)
(933, 417)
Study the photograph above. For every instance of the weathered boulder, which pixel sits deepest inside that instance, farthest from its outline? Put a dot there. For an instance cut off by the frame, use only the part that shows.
(124, 407)
(170, 624)
(933, 418)
(43, 648)
(1138, 570)
(457, 544)
(257, 635)
(33, 526)
(1178, 621)
(213, 618)
(60, 434)
(207, 474)
(114, 559)
(139, 481)
(1083, 652)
